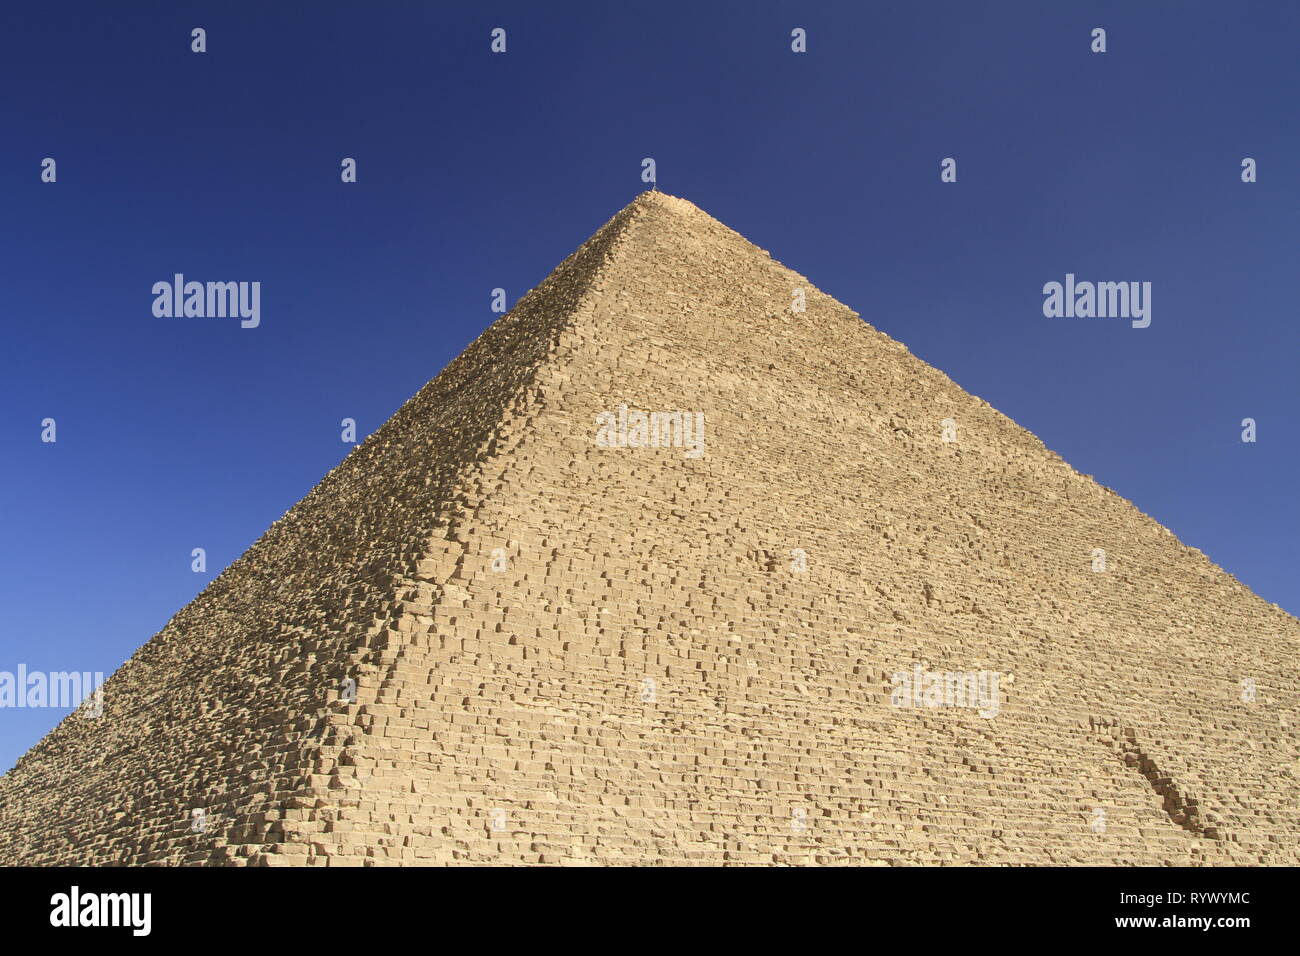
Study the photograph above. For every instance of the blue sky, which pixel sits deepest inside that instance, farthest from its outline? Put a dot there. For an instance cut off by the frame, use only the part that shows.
(478, 170)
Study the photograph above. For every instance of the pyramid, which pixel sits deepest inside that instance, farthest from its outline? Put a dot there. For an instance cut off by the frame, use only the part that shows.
(661, 570)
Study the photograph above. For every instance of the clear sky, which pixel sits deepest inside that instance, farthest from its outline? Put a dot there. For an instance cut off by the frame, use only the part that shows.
(479, 170)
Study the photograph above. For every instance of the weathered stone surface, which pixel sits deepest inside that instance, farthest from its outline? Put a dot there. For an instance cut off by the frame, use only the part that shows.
(573, 654)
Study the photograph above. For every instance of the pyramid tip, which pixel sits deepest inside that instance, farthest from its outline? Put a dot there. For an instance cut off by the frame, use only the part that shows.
(653, 197)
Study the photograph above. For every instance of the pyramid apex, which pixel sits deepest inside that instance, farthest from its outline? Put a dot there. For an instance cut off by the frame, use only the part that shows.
(653, 197)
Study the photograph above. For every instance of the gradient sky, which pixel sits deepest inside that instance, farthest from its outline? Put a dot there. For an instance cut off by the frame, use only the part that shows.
(479, 170)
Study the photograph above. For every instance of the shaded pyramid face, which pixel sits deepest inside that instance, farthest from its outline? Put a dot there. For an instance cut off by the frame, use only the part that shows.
(663, 571)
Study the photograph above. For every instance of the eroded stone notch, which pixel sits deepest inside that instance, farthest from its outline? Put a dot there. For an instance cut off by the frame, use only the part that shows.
(1182, 808)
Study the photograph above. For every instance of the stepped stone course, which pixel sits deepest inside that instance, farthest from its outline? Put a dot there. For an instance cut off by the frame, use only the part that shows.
(566, 653)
